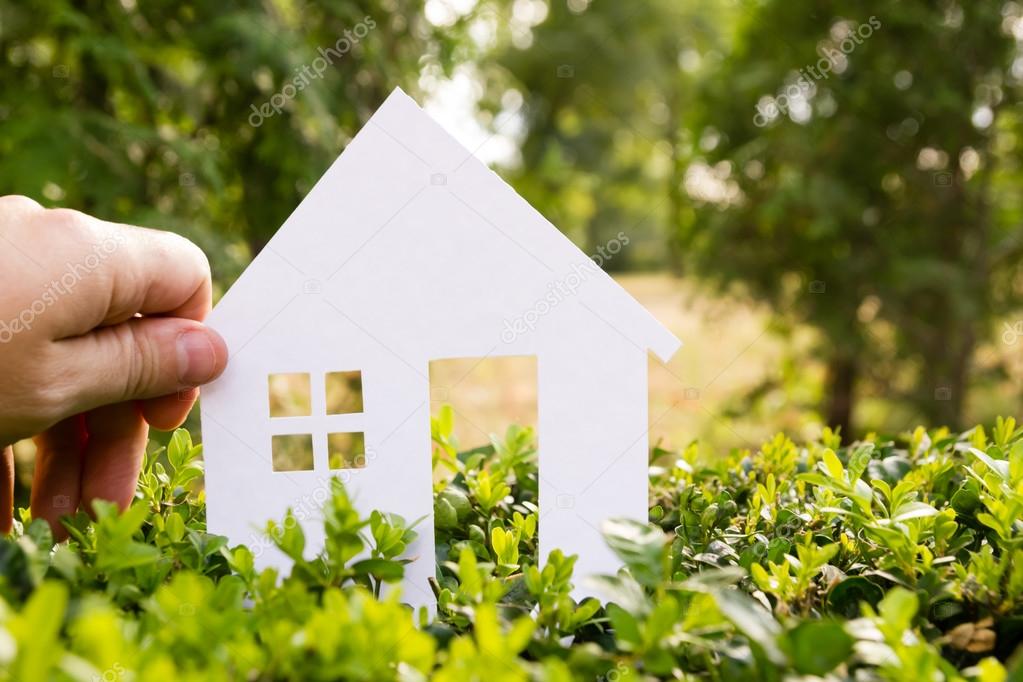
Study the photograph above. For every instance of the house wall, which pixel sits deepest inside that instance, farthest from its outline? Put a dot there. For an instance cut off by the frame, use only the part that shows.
(592, 447)
(237, 431)
(406, 251)
(592, 405)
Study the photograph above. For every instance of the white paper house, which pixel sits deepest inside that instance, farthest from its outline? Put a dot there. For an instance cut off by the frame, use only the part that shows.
(408, 250)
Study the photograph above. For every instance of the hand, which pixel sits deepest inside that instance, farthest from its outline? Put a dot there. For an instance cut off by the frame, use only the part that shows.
(100, 337)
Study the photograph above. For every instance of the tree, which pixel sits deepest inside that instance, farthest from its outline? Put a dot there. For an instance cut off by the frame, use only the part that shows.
(850, 150)
(212, 117)
(606, 89)
(209, 117)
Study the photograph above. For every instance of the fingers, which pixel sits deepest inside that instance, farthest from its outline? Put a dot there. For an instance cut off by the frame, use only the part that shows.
(113, 454)
(156, 273)
(99, 314)
(87, 457)
(6, 490)
(56, 485)
(106, 273)
(169, 411)
(146, 357)
(18, 207)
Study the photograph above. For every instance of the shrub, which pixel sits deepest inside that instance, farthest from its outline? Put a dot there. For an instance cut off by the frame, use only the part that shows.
(881, 559)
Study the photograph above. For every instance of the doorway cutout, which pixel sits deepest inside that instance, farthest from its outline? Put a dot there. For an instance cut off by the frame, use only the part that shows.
(487, 395)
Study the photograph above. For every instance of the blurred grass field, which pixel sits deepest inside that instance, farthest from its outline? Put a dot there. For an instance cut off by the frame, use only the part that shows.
(729, 354)
(726, 350)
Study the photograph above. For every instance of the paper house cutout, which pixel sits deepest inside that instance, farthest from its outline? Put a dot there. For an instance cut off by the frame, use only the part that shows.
(409, 250)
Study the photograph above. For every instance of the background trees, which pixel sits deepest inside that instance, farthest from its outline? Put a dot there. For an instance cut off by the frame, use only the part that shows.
(146, 112)
(865, 203)
(876, 205)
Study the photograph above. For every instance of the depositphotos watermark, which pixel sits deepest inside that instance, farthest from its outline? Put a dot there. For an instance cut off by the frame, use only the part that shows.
(832, 59)
(561, 289)
(1011, 332)
(307, 73)
(305, 508)
(308, 507)
(60, 287)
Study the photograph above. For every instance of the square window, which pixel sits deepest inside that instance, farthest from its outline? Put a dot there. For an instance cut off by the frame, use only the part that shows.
(289, 395)
(293, 452)
(344, 392)
(346, 450)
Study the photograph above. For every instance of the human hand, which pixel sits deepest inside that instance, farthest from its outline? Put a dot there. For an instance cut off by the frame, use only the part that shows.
(100, 337)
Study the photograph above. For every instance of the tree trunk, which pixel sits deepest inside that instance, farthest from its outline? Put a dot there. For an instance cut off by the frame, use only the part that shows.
(840, 392)
(946, 408)
(677, 203)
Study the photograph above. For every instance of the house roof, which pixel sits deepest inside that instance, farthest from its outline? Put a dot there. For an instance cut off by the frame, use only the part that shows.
(401, 120)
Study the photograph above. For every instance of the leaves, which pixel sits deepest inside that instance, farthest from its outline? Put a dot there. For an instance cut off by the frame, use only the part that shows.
(818, 647)
(488, 491)
(640, 546)
(846, 597)
(753, 568)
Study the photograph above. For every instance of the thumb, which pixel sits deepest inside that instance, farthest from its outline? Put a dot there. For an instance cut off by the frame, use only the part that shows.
(144, 357)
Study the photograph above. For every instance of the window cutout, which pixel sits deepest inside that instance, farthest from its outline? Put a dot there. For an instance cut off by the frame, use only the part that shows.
(488, 395)
(344, 392)
(289, 395)
(346, 450)
(293, 453)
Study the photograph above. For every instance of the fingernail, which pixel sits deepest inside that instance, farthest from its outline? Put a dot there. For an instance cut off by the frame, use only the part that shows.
(197, 358)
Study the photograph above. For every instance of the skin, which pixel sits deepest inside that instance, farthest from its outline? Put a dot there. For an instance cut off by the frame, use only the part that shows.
(101, 337)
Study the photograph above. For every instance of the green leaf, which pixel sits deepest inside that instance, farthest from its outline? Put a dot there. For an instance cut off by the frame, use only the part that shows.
(899, 607)
(845, 597)
(966, 499)
(179, 448)
(640, 546)
(914, 510)
(175, 527)
(833, 465)
(383, 569)
(817, 647)
(626, 626)
(288, 536)
(752, 620)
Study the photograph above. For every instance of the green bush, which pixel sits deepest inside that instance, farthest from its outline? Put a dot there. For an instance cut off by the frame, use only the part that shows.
(881, 559)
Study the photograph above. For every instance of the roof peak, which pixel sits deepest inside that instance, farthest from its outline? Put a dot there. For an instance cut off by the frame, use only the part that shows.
(443, 160)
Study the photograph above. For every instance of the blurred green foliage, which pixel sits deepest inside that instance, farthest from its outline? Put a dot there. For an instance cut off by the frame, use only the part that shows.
(862, 168)
(607, 97)
(146, 113)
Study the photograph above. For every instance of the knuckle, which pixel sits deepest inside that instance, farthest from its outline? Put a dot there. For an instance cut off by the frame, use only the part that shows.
(18, 203)
(53, 391)
(135, 354)
(185, 247)
(70, 220)
(172, 248)
(53, 398)
(15, 211)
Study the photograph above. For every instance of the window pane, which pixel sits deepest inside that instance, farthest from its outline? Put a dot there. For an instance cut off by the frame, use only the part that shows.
(344, 392)
(488, 395)
(293, 453)
(346, 450)
(289, 395)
